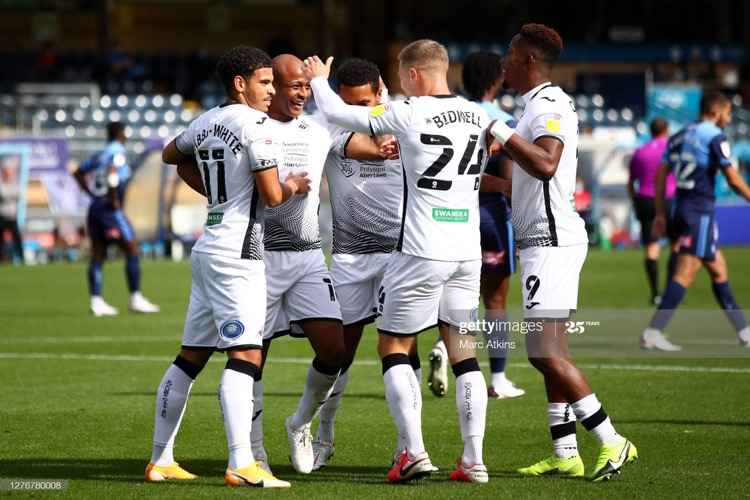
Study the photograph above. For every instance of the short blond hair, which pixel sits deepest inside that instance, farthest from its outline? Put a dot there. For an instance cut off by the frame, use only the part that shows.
(425, 55)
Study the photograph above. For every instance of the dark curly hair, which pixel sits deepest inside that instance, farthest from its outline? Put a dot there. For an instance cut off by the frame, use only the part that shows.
(356, 72)
(242, 61)
(545, 40)
(480, 72)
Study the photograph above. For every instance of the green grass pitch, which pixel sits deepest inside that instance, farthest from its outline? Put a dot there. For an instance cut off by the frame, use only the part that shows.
(77, 398)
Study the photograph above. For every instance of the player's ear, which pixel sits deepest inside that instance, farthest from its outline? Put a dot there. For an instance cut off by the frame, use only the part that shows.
(239, 83)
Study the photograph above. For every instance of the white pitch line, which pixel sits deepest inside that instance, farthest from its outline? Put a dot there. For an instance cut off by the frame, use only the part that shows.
(367, 362)
(81, 340)
(655, 368)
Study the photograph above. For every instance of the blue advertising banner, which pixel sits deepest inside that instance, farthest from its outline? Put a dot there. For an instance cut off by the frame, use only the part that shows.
(679, 105)
(47, 156)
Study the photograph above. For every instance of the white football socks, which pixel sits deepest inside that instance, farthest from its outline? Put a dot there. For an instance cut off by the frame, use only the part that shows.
(318, 387)
(256, 432)
(171, 401)
(330, 408)
(602, 427)
(405, 403)
(471, 400)
(560, 417)
(235, 399)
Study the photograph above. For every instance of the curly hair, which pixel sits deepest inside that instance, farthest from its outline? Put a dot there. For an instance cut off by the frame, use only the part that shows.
(545, 40)
(480, 72)
(356, 72)
(240, 61)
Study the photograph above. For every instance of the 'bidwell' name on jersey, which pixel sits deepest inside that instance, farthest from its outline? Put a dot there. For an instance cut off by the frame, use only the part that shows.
(365, 197)
(231, 142)
(695, 154)
(293, 225)
(443, 149)
(543, 212)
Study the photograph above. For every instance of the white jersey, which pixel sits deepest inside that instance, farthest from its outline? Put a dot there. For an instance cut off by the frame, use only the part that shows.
(443, 152)
(544, 211)
(293, 225)
(365, 198)
(230, 142)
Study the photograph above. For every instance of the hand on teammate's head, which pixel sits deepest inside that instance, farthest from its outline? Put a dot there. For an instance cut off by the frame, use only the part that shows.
(313, 67)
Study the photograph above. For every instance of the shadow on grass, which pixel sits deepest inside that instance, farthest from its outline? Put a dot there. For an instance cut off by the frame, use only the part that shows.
(209, 471)
(686, 422)
(296, 395)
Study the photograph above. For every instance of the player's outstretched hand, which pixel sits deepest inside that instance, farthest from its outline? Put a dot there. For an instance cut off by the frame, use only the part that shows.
(300, 181)
(313, 67)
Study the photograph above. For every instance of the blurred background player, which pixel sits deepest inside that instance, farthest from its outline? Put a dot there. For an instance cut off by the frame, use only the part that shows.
(695, 154)
(481, 76)
(433, 276)
(107, 222)
(238, 173)
(553, 244)
(365, 200)
(9, 194)
(643, 167)
(300, 292)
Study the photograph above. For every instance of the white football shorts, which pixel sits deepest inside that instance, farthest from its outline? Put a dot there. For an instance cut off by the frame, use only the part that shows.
(227, 302)
(299, 288)
(417, 292)
(357, 278)
(549, 280)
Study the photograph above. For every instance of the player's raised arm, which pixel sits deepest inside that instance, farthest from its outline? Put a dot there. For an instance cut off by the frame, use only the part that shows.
(354, 118)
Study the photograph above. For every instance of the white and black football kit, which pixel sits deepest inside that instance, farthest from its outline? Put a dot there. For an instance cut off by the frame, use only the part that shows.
(549, 232)
(227, 298)
(443, 152)
(298, 282)
(366, 206)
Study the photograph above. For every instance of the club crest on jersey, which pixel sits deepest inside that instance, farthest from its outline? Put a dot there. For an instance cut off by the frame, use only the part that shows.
(553, 123)
(347, 169)
(379, 110)
(231, 330)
